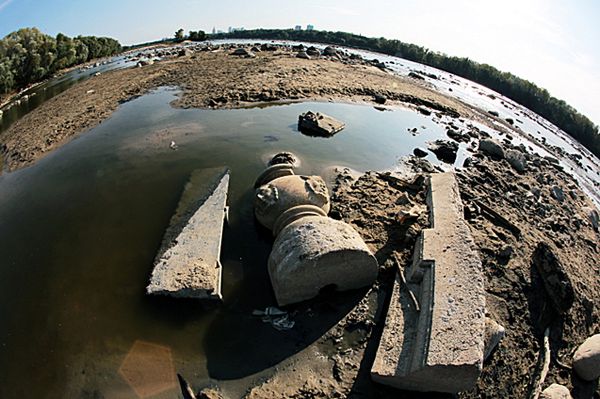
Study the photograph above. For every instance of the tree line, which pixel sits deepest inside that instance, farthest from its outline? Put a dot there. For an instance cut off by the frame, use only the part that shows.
(520, 90)
(28, 55)
(195, 36)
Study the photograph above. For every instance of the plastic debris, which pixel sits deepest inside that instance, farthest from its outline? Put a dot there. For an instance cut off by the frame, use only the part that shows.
(279, 319)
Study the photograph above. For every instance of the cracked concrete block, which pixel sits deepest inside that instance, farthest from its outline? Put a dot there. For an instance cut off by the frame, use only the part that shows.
(441, 346)
(187, 265)
(314, 252)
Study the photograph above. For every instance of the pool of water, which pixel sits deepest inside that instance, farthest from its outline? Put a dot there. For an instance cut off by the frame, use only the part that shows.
(80, 229)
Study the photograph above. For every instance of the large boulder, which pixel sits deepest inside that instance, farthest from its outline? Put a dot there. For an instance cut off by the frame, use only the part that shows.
(491, 147)
(586, 361)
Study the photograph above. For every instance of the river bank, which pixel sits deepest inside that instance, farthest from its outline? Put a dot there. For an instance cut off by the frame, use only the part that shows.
(215, 79)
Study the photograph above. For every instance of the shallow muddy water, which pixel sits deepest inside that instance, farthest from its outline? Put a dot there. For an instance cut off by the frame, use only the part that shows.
(80, 228)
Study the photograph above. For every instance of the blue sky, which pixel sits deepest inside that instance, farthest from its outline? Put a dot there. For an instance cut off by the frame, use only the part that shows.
(553, 43)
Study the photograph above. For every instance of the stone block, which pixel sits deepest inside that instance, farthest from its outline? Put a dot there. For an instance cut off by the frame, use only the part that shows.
(439, 347)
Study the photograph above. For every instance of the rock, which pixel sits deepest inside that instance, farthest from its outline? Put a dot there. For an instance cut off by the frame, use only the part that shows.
(184, 52)
(556, 281)
(313, 51)
(424, 111)
(594, 218)
(187, 264)
(494, 113)
(510, 120)
(379, 99)
(456, 136)
(491, 147)
(302, 54)
(557, 193)
(556, 391)
(242, 52)
(444, 150)
(209, 393)
(330, 51)
(415, 75)
(586, 361)
(419, 152)
(438, 347)
(517, 160)
(312, 123)
(268, 47)
(494, 333)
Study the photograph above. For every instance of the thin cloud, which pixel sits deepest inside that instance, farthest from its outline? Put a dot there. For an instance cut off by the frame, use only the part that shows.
(4, 4)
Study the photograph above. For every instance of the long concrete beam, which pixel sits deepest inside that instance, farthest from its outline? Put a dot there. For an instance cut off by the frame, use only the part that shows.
(439, 345)
(187, 265)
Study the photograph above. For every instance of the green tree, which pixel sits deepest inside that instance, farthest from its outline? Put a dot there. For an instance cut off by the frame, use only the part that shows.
(179, 35)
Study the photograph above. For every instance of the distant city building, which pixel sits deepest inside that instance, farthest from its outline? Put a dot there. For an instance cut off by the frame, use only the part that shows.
(298, 27)
(310, 27)
(214, 30)
(220, 31)
(232, 29)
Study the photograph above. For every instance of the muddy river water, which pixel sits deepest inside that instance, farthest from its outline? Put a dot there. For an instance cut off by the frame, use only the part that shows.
(80, 228)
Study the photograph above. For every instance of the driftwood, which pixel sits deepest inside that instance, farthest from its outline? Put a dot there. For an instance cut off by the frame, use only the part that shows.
(544, 362)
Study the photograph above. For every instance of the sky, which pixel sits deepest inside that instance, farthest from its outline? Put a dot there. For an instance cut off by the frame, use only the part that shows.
(553, 43)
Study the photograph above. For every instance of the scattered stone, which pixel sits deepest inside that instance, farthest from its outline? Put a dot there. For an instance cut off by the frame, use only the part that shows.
(420, 152)
(242, 52)
(187, 264)
(415, 75)
(457, 136)
(556, 281)
(313, 51)
(183, 52)
(557, 193)
(594, 218)
(330, 51)
(303, 54)
(379, 99)
(424, 111)
(586, 361)
(319, 124)
(444, 150)
(517, 160)
(494, 333)
(556, 391)
(440, 346)
(491, 147)
(494, 113)
(510, 120)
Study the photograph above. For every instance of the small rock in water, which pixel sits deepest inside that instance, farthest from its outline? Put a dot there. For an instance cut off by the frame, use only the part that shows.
(586, 361)
(379, 99)
(173, 145)
(556, 391)
(419, 152)
(444, 150)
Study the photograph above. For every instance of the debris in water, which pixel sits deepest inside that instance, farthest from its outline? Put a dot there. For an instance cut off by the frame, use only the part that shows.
(279, 319)
(173, 145)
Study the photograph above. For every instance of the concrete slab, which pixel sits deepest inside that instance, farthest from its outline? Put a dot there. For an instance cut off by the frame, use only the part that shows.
(187, 264)
(318, 124)
(439, 347)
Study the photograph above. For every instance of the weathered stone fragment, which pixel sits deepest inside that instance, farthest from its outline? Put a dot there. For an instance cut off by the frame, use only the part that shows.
(586, 360)
(517, 160)
(439, 347)
(319, 124)
(494, 333)
(314, 252)
(444, 150)
(187, 265)
(556, 391)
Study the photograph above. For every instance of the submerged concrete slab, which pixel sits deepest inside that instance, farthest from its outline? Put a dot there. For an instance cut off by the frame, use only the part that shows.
(187, 264)
(438, 347)
(318, 124)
